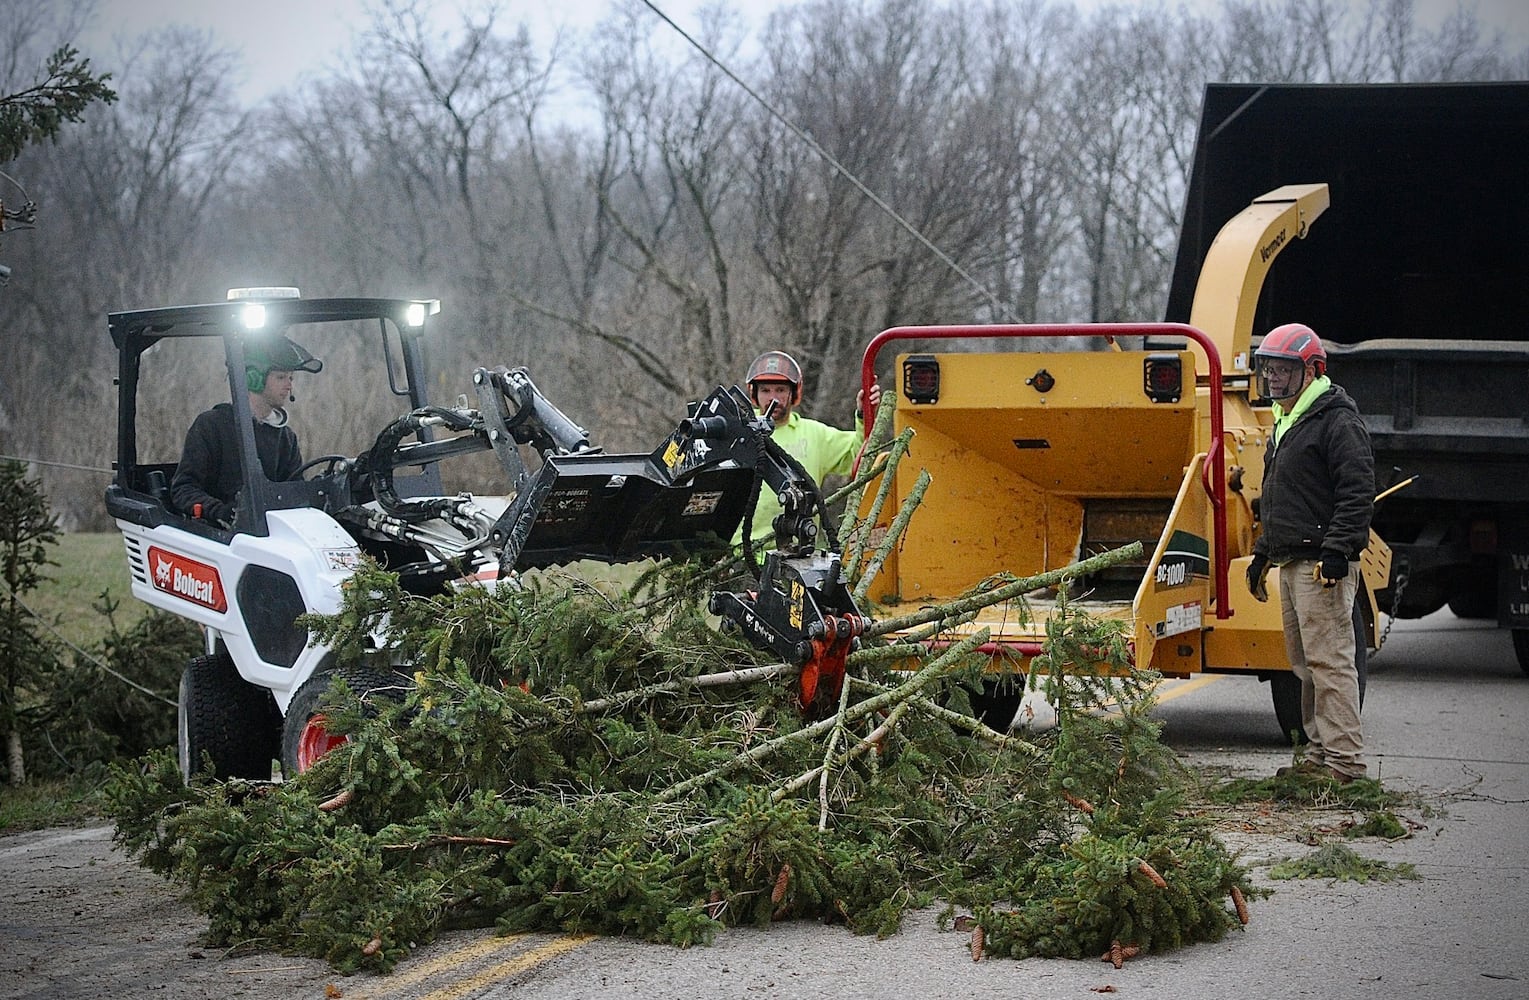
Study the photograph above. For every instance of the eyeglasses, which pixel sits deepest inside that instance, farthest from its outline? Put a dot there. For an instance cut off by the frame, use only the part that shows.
(1279, 366)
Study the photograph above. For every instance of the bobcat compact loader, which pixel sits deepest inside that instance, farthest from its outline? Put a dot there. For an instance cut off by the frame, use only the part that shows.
(290, 546)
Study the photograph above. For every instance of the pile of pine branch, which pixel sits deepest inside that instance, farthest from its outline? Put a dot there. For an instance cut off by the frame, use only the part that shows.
(565, 757)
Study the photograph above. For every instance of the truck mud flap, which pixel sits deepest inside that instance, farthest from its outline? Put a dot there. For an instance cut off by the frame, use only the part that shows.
(1513, 577)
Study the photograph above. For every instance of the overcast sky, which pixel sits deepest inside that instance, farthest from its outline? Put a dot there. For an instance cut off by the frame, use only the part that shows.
(284, 40)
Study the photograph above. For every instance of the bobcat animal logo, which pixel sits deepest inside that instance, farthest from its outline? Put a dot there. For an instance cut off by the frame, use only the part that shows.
(162, 572)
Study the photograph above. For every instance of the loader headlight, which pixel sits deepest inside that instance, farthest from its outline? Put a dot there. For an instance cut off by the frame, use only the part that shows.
(921, 379)
(252, 316)
(414, 313)
(1163, 378)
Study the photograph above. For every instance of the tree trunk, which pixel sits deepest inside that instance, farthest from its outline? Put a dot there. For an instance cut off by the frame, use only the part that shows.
(13, 757)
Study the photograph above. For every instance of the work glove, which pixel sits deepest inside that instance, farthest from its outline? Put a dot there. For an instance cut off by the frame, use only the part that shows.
(1332, 570)
(219, 513)
(1258, 569)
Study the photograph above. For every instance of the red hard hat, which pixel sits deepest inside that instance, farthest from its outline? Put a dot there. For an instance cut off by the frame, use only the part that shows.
(1295, 341)
(776, 366)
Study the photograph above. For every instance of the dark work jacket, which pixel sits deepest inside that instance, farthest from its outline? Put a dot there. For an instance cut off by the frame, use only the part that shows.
(1319, 484)
(209, 472)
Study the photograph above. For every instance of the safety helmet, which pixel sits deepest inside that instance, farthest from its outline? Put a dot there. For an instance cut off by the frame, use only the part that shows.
(261, 357)
(776, 366)
(1292, 342)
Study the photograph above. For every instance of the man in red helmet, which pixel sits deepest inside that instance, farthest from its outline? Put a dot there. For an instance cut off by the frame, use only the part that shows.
(776, 378)
(1318, 496)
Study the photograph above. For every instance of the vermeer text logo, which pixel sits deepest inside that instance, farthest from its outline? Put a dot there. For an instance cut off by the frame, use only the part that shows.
(186, 578)
(1272, 247)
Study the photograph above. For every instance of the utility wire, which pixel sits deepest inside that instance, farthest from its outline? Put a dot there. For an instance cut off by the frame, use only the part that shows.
(91, 657)
(56, 465)
(801, 134)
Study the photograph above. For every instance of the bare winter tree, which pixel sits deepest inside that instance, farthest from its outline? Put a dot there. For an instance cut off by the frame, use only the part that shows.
(634, 261)
(655, 282)
(130, 193)
(883, 91)
(1016, 57)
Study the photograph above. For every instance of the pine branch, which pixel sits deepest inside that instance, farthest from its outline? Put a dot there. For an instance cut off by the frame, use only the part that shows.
(744, 675)
(828, 754)
(895, 455)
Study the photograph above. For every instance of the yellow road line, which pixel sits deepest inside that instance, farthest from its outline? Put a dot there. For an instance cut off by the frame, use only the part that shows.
(1161, 692)
(1185, 687)
(519, 963)
(472, 950)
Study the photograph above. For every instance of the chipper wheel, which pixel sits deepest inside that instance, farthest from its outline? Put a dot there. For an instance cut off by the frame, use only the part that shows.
(228, 719)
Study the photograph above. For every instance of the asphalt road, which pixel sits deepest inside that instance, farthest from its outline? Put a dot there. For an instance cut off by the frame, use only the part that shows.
(1443, 719)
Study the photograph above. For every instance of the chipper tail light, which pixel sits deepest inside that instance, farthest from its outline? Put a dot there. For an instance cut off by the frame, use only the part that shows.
(921, 379)
(1163, 378)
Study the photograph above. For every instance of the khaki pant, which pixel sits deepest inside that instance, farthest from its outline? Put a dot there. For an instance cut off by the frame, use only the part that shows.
(1319, 638)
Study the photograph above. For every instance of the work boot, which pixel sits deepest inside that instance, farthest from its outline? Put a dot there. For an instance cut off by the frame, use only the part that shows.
(1305, 767)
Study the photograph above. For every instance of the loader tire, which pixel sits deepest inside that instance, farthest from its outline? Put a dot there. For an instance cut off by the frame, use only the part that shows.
(1521, 648)
(303, 736)
(223, 719)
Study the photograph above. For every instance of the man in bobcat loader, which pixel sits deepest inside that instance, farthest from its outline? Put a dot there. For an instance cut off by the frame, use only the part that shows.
(208, 476)
(1318, 496)
(775, 377)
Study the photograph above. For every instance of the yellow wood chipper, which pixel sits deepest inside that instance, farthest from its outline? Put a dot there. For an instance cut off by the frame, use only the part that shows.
(1041, 457)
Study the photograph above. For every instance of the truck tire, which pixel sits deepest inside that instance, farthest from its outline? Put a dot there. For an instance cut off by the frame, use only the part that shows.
(1475, 600)
(1521, 648)
(303, 736)
(1285, 687)
(226, 718)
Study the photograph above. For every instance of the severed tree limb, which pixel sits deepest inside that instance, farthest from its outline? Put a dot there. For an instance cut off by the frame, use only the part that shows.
(974, 727)
(880, 445)
(679, 685)
(895, 454)
(828, 755)
(895, 532)
(1008, 591)
(868, 742)
(936, 667)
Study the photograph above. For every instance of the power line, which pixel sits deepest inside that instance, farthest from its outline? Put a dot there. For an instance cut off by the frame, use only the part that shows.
(801, 134)
(91, 657)
(56, 465)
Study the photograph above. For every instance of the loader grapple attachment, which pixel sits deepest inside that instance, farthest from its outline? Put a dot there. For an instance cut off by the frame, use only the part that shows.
(804, 614)
(615, 509)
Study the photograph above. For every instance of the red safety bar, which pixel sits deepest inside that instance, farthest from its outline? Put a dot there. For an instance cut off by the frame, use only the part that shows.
(1212, 476)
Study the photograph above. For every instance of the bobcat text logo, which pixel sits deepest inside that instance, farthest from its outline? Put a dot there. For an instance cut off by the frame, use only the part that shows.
(187, 579)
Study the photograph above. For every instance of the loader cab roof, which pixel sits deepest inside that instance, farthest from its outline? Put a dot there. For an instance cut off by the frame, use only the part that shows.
(388, 329)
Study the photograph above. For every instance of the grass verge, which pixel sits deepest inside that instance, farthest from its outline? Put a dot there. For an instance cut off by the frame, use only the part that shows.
(45, 804)
(87, 565)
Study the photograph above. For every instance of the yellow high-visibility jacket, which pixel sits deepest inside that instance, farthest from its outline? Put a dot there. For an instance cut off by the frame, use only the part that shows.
(822, 450)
